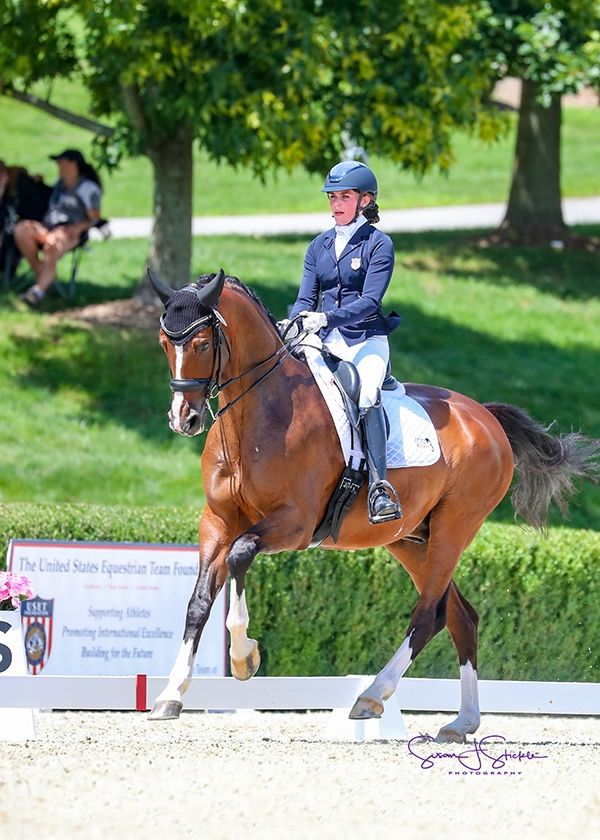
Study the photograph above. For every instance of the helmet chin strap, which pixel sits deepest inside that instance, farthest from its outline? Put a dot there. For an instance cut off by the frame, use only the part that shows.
(359, 209)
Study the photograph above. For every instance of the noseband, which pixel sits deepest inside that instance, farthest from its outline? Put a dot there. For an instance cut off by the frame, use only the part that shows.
(213, 385)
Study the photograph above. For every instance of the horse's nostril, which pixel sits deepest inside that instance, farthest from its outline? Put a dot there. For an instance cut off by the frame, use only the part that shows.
(191, 424)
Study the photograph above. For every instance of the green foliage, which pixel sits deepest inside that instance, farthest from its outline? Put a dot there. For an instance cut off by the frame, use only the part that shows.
(480, 173)
(266, 84)
(40, 44)
(554, 43)
(96, 523)
(325, 612)
(269, 85)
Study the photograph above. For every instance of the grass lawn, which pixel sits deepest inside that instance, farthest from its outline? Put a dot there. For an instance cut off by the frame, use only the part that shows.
(481, 173)
(83, 409)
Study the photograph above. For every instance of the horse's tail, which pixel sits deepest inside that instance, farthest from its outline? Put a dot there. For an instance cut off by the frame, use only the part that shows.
(546, 464)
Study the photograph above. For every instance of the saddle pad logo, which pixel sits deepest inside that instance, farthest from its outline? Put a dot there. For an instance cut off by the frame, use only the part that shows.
(355, 263)
(424, 443)
(37, 615)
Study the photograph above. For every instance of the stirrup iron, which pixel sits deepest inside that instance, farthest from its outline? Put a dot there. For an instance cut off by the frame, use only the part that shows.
(379, 489)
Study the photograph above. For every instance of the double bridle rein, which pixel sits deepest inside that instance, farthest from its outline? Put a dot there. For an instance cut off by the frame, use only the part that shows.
(213, 384)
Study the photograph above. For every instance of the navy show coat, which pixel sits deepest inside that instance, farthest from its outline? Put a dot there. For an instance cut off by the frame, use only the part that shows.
(352, 287)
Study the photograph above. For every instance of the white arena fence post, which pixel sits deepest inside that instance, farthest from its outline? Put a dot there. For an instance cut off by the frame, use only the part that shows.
(16, 721)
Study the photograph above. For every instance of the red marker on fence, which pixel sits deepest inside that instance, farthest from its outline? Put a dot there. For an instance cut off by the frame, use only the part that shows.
(141, 693)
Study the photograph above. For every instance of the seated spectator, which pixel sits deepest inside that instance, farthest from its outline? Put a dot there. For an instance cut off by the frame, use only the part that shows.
(74, 207)
(22, 196)
(4, 197)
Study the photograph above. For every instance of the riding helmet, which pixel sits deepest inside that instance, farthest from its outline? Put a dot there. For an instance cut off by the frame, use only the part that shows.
(350, 175)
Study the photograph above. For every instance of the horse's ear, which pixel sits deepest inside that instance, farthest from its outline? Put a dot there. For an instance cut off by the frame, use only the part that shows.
(209, 294)
(164, 292)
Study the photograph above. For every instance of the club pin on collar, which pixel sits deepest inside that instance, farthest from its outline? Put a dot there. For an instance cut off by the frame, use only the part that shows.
(355, 263)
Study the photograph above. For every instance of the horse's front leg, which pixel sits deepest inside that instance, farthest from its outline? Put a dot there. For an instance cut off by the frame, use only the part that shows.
(273, 533)
(243, 652)
(211, 577)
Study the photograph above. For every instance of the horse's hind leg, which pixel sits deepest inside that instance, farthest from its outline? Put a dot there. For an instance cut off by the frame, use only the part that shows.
(428, 618)
(462, 623)
(431, 568)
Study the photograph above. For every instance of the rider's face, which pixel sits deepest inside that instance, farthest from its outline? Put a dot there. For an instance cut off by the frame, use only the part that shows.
(344, 205)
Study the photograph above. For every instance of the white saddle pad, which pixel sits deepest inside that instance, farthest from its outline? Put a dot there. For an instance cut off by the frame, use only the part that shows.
(412, 442)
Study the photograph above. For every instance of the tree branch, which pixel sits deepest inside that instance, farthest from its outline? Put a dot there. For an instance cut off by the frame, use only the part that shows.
(60, 113)
(134, 107)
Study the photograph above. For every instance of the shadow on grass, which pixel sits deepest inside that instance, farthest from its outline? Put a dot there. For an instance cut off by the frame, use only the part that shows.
(87, 292)
(569, 275)
(112, 271)
(122, 374)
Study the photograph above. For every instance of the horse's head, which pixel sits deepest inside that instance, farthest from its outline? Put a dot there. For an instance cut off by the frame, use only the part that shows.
(191, 337)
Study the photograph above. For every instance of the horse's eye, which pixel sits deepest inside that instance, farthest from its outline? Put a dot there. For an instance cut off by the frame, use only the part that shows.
(203, 346)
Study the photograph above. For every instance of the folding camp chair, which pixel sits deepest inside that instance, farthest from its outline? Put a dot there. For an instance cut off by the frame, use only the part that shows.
(65, 288)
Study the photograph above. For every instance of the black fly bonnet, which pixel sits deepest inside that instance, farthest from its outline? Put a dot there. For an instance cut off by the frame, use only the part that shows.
(192, 308)
(187, 311)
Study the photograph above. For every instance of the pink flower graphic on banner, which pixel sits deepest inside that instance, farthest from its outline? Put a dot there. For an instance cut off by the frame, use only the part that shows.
(13, 590)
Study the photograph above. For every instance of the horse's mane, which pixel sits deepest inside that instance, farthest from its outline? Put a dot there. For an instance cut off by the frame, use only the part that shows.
(237, 284)
(230, 280)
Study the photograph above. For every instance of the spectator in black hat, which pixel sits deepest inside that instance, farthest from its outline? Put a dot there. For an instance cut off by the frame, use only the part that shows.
(73, 209)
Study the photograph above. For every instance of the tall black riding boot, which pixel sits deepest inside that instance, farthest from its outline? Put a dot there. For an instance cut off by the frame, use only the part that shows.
(384, 504)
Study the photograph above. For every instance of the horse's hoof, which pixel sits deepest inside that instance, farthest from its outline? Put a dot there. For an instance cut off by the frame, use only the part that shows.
(243, 669)
(166, 710)
(448, 735)
(365, 708)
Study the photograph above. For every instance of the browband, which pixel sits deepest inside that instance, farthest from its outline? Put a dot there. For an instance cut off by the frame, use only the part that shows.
(190, 329)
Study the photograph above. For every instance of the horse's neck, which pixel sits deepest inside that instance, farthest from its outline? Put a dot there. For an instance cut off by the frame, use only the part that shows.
(251, 340)
(255, 349)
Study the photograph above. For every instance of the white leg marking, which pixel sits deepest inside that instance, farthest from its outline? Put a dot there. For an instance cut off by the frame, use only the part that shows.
(467, 721)
(386, 681)
(237, 624)
(181, 674)
(177, 400)
(468, 716)
(469, 695)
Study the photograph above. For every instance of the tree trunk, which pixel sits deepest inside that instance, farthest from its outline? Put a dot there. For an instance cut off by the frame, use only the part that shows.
(171, 243)
(534, 212)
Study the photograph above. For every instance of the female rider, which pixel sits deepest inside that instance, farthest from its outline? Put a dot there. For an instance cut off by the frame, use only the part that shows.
(351, 266)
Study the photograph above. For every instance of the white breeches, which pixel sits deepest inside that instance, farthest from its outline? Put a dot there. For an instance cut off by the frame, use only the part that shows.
(370, 358)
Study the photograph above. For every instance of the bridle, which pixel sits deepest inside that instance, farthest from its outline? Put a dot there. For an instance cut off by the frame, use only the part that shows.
(213, 384)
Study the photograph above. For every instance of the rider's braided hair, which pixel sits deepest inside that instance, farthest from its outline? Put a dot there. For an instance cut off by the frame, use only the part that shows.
(371, 211)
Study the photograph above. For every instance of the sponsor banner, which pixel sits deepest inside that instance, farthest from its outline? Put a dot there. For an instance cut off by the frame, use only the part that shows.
(112, 609)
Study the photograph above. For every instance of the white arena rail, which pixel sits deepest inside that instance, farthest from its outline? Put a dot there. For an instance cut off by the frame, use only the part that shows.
(294, 693)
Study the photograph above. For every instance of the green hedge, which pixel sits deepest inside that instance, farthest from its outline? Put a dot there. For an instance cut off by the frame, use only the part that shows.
(327, 612)
(96, 523)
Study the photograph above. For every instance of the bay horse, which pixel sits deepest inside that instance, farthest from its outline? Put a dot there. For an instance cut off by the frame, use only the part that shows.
(272, 461)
